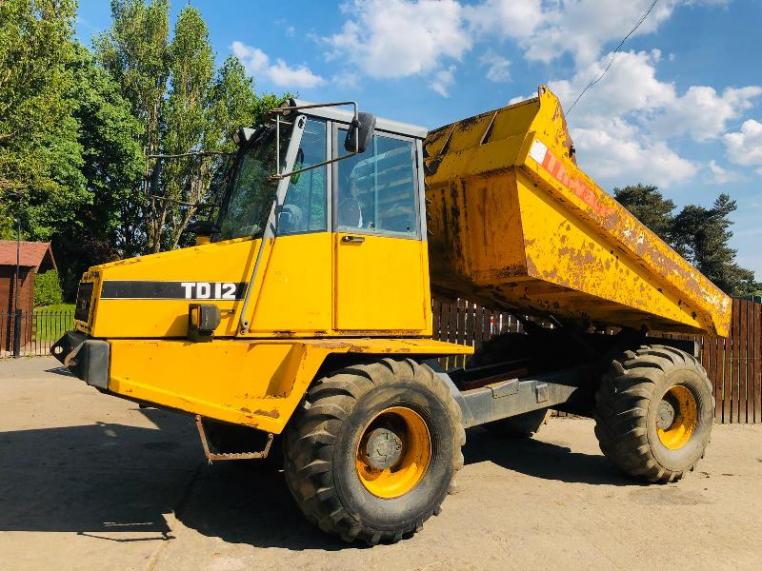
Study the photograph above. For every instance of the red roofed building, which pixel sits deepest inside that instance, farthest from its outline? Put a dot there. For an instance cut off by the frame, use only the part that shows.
(35, 257)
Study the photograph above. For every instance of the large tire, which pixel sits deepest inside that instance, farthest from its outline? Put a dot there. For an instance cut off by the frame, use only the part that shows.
(654, 412)
(324, 444)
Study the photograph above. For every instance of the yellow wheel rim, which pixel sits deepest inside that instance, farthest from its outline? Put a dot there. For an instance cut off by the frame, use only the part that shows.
(677, 417)
(393, 453)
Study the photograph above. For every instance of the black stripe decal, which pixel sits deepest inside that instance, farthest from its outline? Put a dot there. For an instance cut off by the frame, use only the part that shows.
(225, 291)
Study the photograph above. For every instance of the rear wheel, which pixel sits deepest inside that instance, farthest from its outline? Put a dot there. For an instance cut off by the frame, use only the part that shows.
(372, 452)
(654, 413)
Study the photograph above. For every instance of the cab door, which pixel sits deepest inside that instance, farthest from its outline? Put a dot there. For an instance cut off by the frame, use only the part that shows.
(297, 283)
(380, 263)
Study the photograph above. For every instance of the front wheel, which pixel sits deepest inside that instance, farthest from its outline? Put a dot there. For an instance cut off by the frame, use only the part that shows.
(654, 412)
(372, 453)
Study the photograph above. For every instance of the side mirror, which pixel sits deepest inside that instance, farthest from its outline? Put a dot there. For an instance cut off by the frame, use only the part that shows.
(360, 133)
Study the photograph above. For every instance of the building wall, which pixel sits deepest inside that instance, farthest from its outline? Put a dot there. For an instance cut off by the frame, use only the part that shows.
(26, 304)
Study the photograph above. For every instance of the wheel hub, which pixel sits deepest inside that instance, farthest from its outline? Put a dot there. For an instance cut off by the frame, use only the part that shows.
(676, 417)
(665, 415)
(383, 448)
(393, 452)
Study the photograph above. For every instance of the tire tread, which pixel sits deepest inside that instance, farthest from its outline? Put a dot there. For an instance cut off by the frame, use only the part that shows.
(621, 413)
(310, 437)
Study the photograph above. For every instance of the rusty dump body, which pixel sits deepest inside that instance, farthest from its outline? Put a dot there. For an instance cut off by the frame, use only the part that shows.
(514, 223)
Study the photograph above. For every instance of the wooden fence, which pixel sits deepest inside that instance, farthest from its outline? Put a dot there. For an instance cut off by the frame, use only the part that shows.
(734, 364)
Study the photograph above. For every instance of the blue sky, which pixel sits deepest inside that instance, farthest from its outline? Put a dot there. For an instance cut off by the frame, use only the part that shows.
(681, 106)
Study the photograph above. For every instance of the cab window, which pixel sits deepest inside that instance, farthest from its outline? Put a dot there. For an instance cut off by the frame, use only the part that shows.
(304, 209)
(377, 189)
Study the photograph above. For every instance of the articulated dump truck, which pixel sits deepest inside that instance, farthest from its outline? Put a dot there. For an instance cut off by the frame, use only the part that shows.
(303, 314)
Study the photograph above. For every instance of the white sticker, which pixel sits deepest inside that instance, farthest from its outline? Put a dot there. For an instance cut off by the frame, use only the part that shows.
(538, 150)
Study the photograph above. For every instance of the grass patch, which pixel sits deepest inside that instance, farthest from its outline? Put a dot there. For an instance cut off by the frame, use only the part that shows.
(59, 307)
(52, 321)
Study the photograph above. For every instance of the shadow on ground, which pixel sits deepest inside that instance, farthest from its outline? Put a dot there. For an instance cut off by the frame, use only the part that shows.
(96, 478)
(102, 479)
(541, 459)
(248, 504)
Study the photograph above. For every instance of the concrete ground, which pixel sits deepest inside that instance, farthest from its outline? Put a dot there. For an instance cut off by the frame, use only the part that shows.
(89, 481)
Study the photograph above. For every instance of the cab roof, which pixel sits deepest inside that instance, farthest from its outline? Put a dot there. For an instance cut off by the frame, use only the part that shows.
(345, 116)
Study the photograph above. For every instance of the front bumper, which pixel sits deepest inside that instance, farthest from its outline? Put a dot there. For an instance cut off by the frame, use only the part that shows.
(87, 358)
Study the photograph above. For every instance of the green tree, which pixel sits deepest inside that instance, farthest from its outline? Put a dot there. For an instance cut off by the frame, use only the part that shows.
(188, 126)
(135, 51)
(40, 157)
(184, 105)
(649, 206)
(701, 235)
(47, 289)
(112, 165)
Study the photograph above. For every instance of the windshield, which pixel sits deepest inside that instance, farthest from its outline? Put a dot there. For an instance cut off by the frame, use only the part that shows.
(251, 195)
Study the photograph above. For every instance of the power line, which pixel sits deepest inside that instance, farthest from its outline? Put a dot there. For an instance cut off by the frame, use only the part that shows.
(613, 55)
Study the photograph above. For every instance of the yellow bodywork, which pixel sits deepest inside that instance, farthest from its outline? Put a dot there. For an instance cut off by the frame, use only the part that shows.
(256, 383)
(514, 223)
(313, 296)
(309, 285)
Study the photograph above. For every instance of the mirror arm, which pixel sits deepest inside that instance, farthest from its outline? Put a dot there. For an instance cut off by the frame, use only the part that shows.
(279, 111)
(309, 168)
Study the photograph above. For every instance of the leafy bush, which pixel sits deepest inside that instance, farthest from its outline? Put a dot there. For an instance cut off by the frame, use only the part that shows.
(47, 289)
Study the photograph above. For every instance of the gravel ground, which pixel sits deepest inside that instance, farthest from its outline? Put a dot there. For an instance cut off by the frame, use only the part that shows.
(89, 481)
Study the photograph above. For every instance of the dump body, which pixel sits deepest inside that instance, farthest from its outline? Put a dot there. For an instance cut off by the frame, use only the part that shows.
(514, 223)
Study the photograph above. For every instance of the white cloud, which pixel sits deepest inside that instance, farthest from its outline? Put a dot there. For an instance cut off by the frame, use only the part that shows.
(744, 147)
(300, 76)
(625, 125)
(617, 153)
(608, 122)
(253, 59)
(443, 80)
(400, 38)
(498, 67)
(548, 30)
(280, 73)
(508, 18)
(346, 79)
(387, 39)
(703, 113)
(627, 128)
(520, 98)
(721, 175)
(630, 85)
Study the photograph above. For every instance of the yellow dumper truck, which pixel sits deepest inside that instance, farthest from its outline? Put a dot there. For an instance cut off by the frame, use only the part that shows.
(304, 311)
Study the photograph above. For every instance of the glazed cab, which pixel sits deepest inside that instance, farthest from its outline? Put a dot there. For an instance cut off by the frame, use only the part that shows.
(328, 240)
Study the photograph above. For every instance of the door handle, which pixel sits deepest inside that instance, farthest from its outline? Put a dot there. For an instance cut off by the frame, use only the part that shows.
(352, 239)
